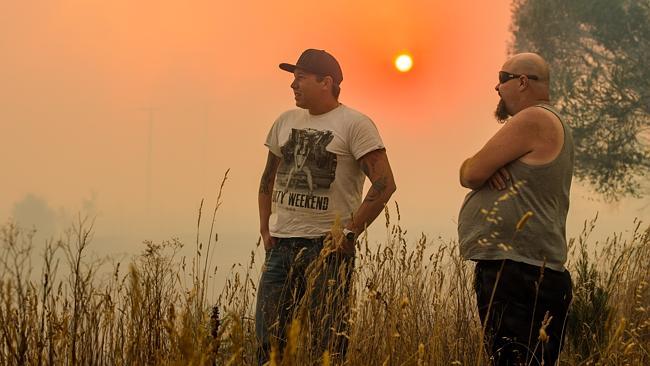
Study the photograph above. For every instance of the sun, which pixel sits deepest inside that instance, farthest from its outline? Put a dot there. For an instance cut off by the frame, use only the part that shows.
(403, 62)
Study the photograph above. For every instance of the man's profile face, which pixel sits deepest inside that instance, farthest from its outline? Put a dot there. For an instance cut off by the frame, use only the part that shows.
(306, 88)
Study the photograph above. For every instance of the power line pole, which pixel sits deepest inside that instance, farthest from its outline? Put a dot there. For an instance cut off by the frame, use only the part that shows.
(204, 150)
(148, 171)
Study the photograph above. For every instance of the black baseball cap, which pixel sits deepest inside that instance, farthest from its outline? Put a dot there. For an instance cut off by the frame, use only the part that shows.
(317, 62)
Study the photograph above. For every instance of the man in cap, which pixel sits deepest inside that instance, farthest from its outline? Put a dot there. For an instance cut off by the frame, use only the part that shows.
(297, 210)
(513, 221)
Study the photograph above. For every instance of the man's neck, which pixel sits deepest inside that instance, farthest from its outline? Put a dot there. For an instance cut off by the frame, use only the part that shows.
(324, 108)
(534, 102)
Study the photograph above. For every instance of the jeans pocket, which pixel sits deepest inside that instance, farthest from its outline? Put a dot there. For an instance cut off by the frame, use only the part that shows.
(271, 256)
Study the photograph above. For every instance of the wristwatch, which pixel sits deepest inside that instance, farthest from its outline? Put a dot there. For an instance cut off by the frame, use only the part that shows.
(349, 234)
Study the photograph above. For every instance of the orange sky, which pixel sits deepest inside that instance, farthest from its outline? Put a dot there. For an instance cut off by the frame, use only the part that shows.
(78, 76)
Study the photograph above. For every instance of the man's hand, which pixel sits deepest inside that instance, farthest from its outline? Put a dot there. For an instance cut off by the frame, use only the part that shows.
(340, 244)
(268, 240)
(500, 179)
(347, 247)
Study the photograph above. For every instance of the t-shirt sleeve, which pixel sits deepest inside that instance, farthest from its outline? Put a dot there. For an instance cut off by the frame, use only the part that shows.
(364, 138)
(272, 139)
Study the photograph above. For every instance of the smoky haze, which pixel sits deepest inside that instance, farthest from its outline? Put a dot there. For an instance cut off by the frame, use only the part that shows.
(131, 112)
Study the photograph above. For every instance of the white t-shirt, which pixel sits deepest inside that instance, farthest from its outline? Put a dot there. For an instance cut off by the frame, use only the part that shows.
(319, 176)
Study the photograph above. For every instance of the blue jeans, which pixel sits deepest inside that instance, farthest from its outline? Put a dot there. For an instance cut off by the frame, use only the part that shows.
(298, 283)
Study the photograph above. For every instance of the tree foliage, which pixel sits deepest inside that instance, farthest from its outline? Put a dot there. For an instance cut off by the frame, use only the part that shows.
(599, 52)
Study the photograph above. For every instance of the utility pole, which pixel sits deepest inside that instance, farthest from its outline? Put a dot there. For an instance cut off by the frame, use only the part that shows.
(149, 148)
(204, 150)
(148, 168)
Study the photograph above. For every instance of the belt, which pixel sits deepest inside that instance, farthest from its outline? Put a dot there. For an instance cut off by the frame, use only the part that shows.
(301, 242)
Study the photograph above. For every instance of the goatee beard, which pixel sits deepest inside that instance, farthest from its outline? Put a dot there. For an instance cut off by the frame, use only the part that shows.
(501, 113)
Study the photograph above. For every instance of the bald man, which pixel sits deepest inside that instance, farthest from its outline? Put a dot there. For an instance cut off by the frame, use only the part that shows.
(512, 223)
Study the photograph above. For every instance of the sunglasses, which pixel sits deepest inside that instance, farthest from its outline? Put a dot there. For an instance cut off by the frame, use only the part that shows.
(505, 76)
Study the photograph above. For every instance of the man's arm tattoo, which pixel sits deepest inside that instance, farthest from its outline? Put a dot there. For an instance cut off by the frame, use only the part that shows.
(365, 169)
(378, 185)
(266, 183)
(377, 189)
(265, 186)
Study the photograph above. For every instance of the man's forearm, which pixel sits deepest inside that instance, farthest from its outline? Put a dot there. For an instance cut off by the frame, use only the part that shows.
(466, 178)
(377, 168)
(266, 191)
(264, 203)
(372, 205)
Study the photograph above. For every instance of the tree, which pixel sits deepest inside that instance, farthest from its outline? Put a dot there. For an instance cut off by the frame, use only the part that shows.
(598, 51)
(34, 212)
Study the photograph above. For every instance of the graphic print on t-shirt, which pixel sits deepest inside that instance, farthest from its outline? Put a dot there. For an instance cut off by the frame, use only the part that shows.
(306, 164)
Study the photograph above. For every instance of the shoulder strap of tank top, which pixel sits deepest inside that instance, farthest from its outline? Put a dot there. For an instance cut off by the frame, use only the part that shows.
(552, 110)
(565, 126)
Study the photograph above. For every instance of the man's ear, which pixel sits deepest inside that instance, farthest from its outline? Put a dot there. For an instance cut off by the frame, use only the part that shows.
(328, 82)
(523, 82)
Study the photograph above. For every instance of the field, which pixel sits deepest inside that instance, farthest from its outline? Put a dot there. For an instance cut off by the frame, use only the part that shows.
(412, 304)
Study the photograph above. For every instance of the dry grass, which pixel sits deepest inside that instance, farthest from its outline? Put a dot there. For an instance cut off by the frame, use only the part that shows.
(412, 304)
